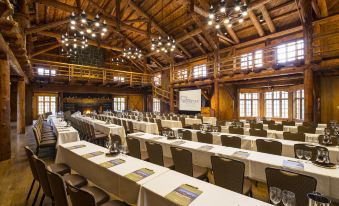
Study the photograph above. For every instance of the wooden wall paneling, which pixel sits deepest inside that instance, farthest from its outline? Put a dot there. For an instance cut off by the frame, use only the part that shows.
(227, 102)
(21, 113)
(329, 96)
(5, 127)
(136, 102)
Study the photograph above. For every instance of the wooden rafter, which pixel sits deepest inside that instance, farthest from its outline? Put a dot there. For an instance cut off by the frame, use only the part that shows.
(45, 49)
(267, 18)
(232, 34)
(256, 23)
(46, 26)
(196, 43)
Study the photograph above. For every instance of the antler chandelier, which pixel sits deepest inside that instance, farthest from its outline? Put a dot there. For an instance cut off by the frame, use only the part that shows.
(85, 26)
(228, 15)
(132, 53)
(163, 45)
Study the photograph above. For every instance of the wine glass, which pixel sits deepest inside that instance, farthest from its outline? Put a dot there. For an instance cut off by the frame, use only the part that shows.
(307, 155)
(180, 135)
(300, 153)
(275, 195)
(288, 198)
(108, 144)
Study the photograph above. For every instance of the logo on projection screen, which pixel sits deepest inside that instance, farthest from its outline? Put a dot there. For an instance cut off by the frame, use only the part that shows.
(190, 100)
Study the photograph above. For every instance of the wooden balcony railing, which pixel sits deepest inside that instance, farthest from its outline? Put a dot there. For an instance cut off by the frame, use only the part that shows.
(80, 72)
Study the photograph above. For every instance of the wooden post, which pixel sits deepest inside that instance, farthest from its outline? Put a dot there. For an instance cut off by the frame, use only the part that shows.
(21, 113)
(171, 86)
(306, 11)
(5, 127)
(61, 102)
(216, 81)
(28, 104)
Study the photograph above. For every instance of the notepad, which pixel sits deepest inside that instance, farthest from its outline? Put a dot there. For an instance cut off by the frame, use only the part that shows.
(184, 194)
(112, 163)
(92, 154)
(241, 154)
(76, 147)
(179, 142)
(293, 165)
(139, 174)
(205, 148)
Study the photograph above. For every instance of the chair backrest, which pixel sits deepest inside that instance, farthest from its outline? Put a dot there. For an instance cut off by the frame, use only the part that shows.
(231, 141)
(257, 126)
(269, 146)
(182, 160)
(306, 129)
(228, 173)
(124, 124)
(29, 154)
(42, 174)
(288, 123)
(268, 121)
(130, 127)
(310, 124)
(133, 147)
(294, 136)
(115, 138)
(155, 153)
(80, 197)
(306, 147)
(236, 130)
(36, 135)
(158, 121)
(334, 140)
(151, 120)
(57, 186)
(175, 118)
(182, 120)
(165, 129)
(187, 135)
(277, 127)
(205, 137)
(299, 184)
(258, 132)
(196, 126)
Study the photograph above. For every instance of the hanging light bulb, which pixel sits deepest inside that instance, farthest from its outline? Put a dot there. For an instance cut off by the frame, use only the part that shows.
(210, 22)
(241, 20)
(222, 6)
(217, 26)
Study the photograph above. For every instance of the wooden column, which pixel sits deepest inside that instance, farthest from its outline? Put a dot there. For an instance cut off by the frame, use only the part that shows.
(171, 86)
(21, 115)
(216, 81)
(28, 104)
(306, 11)
(61, 102)
(5, 127)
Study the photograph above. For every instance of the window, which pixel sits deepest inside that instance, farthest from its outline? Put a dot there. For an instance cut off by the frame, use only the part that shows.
(199, 71)
(156, 105)
(46, 104)
(299, 104)
(119, 104)
(157, 79)
(46, 72)
(290, 52)
(182, 74)
(249, 104)
(119, 79)
(247, 61)
(276, 104)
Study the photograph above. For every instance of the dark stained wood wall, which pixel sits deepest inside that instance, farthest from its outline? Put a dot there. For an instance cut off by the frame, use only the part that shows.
(329, 95)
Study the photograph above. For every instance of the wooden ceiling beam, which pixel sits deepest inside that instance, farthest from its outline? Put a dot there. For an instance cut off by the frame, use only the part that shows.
(267, 18)
(45, 26)
(45, 49)
(322, 7)
(162, 32)
(110, 21)
(256, 23)
(196, 43)
(91, 42)
(231, 32)
(135, 20)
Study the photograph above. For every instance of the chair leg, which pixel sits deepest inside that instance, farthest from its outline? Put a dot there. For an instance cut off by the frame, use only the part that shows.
(30, 190)
(36, 195)
(42, 200)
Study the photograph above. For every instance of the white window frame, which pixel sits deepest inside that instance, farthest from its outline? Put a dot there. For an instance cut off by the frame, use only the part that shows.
(252, 60)
(157, 79)
(119, 104)
(46, 103)
(248, 104)
(276, 104)
(199, 71)
(156, 105)
(290, 51)
(299, 104)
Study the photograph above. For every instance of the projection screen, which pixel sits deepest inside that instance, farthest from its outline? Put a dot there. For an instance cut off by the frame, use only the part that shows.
(190, 100)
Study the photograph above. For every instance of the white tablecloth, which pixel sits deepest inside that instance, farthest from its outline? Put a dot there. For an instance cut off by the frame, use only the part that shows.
(210, 120)
(64, 134)
(153, 192)
(147, 127)
(171, 123)
(113, 180)
(106, 128)
(191, 121)
(255, 164)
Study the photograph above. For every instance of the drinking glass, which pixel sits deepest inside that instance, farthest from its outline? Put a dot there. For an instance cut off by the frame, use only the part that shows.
(300, 153)
(288, 198)
(108, 144)
(180, 135)
(308, 155)
(275, 195)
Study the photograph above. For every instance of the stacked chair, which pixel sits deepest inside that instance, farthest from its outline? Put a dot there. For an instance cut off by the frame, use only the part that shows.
(43, 134)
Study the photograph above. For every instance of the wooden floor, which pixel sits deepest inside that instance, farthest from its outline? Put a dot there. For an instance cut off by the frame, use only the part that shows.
(16, 178)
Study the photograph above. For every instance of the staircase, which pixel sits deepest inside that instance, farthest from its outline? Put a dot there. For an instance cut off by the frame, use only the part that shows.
(162, 94)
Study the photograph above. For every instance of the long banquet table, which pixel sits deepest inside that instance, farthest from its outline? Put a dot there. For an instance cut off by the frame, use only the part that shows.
(64, 133)
(149, 191)
(105, 128)
(255, 162)
(249, 143)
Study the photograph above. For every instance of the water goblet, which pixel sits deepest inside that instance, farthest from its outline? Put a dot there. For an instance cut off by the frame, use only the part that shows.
(308, 155)
(299, 153)
(288, 198)
(275, 195)
(180, 135)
